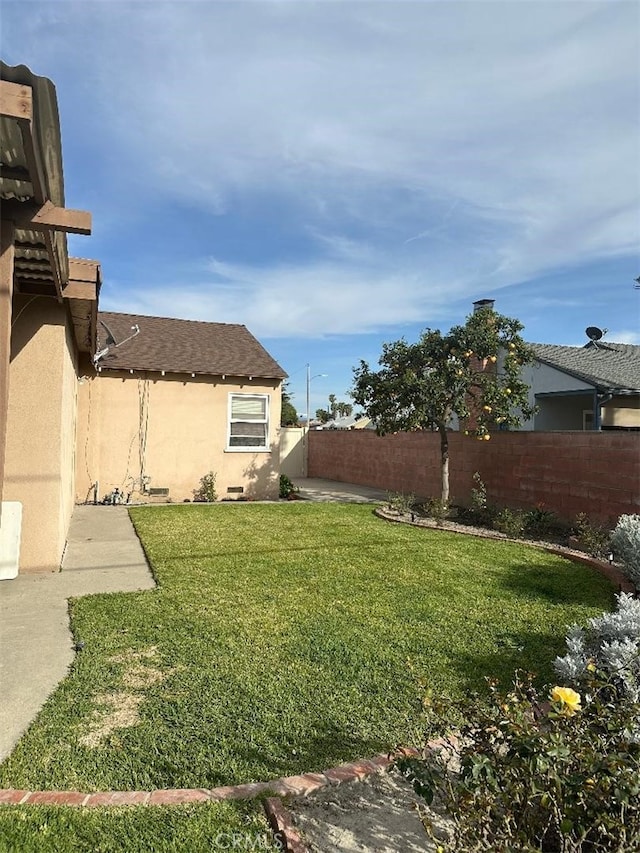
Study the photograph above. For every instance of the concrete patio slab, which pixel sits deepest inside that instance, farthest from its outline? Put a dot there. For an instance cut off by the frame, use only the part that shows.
(103, 554)
(315, 489)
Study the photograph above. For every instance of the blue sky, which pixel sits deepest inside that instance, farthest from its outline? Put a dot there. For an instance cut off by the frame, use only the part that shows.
(338, 174)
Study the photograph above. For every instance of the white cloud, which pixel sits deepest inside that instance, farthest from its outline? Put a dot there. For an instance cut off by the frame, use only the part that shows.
(288, 301)
(624, 336)
(427, 149)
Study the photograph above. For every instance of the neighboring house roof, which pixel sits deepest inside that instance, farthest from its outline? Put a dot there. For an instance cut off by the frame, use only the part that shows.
(348, 422)
(606, 366)
(183, 346)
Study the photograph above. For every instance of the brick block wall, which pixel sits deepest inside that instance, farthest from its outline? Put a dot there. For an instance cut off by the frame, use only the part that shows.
(570, 472)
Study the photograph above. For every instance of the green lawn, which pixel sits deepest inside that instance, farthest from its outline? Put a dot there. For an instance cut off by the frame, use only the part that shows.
(278, 642)
(137, 829)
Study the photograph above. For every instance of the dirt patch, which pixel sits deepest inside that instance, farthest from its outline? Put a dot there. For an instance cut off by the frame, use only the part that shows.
(133, 657)
(378, 815)
(118, 710)
(139, 677)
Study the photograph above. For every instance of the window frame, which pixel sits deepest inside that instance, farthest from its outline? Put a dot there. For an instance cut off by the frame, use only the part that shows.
(261, 448)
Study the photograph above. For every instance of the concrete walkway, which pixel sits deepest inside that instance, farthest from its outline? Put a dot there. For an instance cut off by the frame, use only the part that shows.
(314, 489)
(36, 648)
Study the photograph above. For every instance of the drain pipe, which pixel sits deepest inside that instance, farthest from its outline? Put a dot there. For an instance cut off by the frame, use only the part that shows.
(598, 403)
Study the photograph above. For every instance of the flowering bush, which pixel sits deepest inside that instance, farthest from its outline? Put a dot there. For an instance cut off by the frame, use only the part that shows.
(610, 644)
(625, 542)
(556, 771)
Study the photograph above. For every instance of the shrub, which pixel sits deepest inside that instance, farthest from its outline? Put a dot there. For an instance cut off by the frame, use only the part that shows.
(400, 502)
(593, 538)
(286, 486)
(206, 492)
(553, 771)
(436, 509)
(478, 501)
(511, 522)
(625, 542)
(540, 520)
(609, 644)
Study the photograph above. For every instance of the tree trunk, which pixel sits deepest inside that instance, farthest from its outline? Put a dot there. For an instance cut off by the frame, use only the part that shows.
(444, 461)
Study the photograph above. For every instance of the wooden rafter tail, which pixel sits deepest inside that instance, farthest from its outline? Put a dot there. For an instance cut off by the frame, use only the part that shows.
(47, 217)
(16, 101)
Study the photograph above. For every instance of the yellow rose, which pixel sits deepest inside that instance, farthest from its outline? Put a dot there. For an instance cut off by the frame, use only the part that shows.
(486, 437)
(568, 700)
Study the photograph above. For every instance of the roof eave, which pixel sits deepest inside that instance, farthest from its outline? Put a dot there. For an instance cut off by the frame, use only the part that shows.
(193, 373)
(33, 190)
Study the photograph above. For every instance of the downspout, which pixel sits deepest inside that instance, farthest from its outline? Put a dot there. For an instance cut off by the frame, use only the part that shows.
(598, 403)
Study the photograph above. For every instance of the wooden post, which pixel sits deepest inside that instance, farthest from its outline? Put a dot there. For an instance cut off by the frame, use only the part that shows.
(7, 232)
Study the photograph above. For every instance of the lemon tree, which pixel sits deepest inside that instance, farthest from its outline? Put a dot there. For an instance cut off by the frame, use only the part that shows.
(473, 373)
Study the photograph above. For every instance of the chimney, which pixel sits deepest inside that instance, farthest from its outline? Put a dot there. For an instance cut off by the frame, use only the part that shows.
(479, 304)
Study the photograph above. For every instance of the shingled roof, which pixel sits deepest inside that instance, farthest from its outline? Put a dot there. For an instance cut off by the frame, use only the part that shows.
(183, 346)
(607, 366)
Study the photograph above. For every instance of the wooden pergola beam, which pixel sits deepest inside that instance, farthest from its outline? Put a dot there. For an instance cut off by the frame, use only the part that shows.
(15, 173)
(47, 217)
(16, 101)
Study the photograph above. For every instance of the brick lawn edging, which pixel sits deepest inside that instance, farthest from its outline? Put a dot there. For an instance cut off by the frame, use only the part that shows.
(284, 832)
(287, 786)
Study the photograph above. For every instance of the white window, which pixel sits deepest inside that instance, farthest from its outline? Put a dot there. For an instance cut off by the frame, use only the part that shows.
(248, 422)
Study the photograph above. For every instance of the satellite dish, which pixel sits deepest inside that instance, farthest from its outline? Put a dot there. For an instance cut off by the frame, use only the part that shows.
(593, 333)
(111, 338)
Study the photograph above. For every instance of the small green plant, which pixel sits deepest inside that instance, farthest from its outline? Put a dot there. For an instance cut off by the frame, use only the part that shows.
(287, 488)
(436, 509)
(400, 502)
(553, 770)
(511, 522)
(478, 501)
(206, 492)
(593, 538)
(540, 520)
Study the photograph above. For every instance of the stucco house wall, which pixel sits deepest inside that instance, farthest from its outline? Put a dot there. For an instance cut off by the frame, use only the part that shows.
(561, 412)
(41, 426)
(173, 429)
(621, 412)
